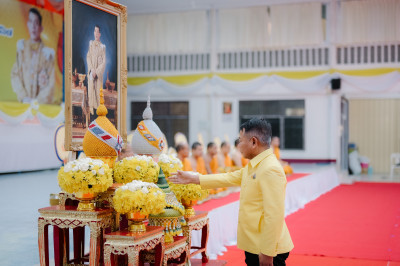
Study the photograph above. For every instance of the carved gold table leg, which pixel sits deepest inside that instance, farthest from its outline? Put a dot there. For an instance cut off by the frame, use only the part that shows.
(107, 255)
(204, 240)
(43, 241)
(94, 244)
(133, 256)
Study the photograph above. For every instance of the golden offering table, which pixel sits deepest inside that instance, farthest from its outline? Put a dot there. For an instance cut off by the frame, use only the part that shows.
(199, 221)
(176, 252)
(130, 244)
(177, 249)
(65, 217)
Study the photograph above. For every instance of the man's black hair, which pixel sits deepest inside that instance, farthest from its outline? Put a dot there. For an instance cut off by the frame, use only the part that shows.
(210, 144)
(195, 145)
(36, 12)
(97, 26)
(259, 128)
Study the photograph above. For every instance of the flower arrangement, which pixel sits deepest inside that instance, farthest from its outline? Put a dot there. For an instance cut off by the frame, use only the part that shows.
(189, 192)
(137, 196)
(169, 164)
(85, 175)
(136, 167)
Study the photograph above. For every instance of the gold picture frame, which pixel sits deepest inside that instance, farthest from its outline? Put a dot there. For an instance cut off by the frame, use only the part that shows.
(95, 56)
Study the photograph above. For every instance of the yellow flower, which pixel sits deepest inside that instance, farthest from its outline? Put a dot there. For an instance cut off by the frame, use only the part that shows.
(169, 164)
(77, 176)
(189, 192)
(145, 198)
(141, 168)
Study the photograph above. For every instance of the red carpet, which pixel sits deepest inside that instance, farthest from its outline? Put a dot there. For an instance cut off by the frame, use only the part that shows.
(352, 221)
(235, 257)
(353, 225)
(216, 203)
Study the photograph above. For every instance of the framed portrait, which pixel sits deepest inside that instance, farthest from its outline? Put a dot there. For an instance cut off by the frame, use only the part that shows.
(95, 59)
(227, 108)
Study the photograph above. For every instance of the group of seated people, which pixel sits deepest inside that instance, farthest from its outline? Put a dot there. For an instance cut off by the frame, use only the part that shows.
(213, 162)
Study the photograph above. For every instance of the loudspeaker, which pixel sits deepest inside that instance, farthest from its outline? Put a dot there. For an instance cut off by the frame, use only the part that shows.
(335, 84)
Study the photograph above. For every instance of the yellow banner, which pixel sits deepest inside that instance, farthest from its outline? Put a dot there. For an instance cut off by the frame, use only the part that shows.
(31, 43)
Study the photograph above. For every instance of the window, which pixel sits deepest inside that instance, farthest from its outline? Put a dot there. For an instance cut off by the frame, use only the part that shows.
(286, 118)
(171, 117)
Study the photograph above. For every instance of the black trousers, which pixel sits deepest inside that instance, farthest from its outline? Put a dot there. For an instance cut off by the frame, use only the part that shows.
(252, 259)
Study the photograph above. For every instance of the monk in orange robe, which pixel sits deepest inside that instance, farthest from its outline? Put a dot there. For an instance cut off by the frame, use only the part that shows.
(196, 160)
(237, 157)
(182, 150)
(224, 159)
(211, 159)
(275, 142)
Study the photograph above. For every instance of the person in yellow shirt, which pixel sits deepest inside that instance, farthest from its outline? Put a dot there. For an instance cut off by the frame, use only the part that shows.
(275, 142)
(182, 150)
(211, 159)
(262, 232)
(196, 160)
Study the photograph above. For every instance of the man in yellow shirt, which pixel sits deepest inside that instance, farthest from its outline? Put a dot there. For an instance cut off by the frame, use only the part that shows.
(262, 231)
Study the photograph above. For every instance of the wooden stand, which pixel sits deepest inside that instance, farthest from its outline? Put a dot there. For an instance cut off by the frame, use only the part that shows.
(65, 217)
(198, 222)
(125, 242)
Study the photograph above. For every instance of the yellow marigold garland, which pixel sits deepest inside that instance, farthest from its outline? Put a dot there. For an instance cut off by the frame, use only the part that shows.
(145, 198)
(137, 167)
(85, 175)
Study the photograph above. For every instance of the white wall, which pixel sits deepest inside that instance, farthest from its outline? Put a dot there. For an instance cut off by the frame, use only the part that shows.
(322, 113)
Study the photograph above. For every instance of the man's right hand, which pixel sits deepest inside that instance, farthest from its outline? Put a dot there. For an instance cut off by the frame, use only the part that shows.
(182, 177)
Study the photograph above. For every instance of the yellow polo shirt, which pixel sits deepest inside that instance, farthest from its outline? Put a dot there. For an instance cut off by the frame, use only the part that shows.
(261, 226)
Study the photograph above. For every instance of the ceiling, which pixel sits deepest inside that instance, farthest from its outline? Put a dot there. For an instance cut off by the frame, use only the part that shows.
(160, 6)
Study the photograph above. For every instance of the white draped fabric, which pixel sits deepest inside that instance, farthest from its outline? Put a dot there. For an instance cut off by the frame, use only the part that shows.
(385, 83)
(244, 28)
(301, 191)
(310, 85)
(224, 220)
(376, 84)
(168, 33)
(369, 21)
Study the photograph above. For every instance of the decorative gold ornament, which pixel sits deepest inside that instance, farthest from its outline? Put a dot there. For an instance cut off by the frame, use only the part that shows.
(86, 201)
(136, 220)
(188, 204)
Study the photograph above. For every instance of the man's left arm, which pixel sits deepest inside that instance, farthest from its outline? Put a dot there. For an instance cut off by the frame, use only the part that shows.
(272, 183)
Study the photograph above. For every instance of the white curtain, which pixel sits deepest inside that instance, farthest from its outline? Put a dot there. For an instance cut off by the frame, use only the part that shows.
(244, 28)
(296, 24)
(369, 21)
(168, 33)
